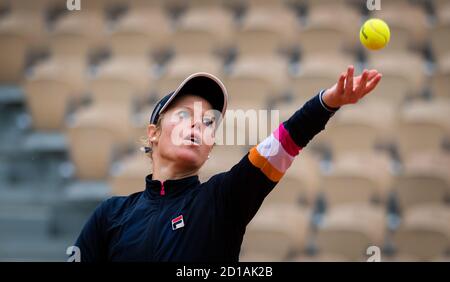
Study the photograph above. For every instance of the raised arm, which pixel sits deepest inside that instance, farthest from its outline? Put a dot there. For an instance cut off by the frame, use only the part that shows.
(243, 188)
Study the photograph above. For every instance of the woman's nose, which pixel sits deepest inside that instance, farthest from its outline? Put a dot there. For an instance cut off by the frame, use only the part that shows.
(196, 123)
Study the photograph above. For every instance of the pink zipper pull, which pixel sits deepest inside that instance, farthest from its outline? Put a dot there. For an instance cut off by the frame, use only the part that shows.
(163, 192)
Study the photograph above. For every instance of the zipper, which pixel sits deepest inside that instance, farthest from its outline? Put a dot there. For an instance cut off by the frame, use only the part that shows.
(156, 220)
(162, 192)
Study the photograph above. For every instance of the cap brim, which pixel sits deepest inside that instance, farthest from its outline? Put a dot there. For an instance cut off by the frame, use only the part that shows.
(206, 86)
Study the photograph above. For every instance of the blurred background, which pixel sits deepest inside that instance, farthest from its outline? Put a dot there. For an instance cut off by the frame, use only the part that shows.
(77, 89)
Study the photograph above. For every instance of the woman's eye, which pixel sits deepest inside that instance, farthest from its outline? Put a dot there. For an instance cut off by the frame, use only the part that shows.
(208, 121)
(184, 114)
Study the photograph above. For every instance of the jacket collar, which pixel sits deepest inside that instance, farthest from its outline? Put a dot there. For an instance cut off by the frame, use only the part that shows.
(172, 187)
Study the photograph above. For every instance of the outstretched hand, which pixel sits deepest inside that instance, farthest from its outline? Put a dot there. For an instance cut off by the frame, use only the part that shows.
(349, 89)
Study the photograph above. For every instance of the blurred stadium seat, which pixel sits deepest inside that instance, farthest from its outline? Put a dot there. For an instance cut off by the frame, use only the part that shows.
(179, 67)
(314, 73)
(316, 38)
(412, 19)
(26, 19)
(424, 180)
(442, 9)
(267, 30)
(134, 73)
(77, 30)
(251, 84)
(275, 232)
(92, 162)
(141, 32)
(206, 28)
(48, 102)
(440, 81)
(348, 231)
(356, 179)
(330, 28)
(423, 126)
(403, 75)
(128, 177)
(377, 118)
(424, 233)
(440, 42)
(12, 55)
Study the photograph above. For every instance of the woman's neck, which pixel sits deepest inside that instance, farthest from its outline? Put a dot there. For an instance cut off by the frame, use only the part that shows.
(163, 172)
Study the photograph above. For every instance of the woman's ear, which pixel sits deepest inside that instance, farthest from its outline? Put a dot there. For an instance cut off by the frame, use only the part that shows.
(152, 133)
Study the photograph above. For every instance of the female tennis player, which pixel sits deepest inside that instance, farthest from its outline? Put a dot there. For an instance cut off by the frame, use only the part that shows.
(177, 218)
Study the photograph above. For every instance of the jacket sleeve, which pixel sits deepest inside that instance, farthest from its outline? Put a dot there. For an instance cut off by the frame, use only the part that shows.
(92, 239)
(243, 188)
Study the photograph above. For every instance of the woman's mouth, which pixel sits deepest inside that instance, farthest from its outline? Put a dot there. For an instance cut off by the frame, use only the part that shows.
(192, 140)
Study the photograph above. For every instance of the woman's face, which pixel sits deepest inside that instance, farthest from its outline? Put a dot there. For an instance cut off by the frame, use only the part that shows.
(186, 134)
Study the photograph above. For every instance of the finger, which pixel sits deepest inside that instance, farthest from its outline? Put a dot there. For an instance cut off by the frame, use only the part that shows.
(357, 79)
(349, 81)
(362, 83)
(372, 74)
(372, 84)
(340, 85)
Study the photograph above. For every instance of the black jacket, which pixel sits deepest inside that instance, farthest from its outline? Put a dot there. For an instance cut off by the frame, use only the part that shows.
(185, 220)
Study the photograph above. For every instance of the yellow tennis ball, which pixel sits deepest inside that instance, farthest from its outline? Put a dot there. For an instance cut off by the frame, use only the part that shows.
(374, 34)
